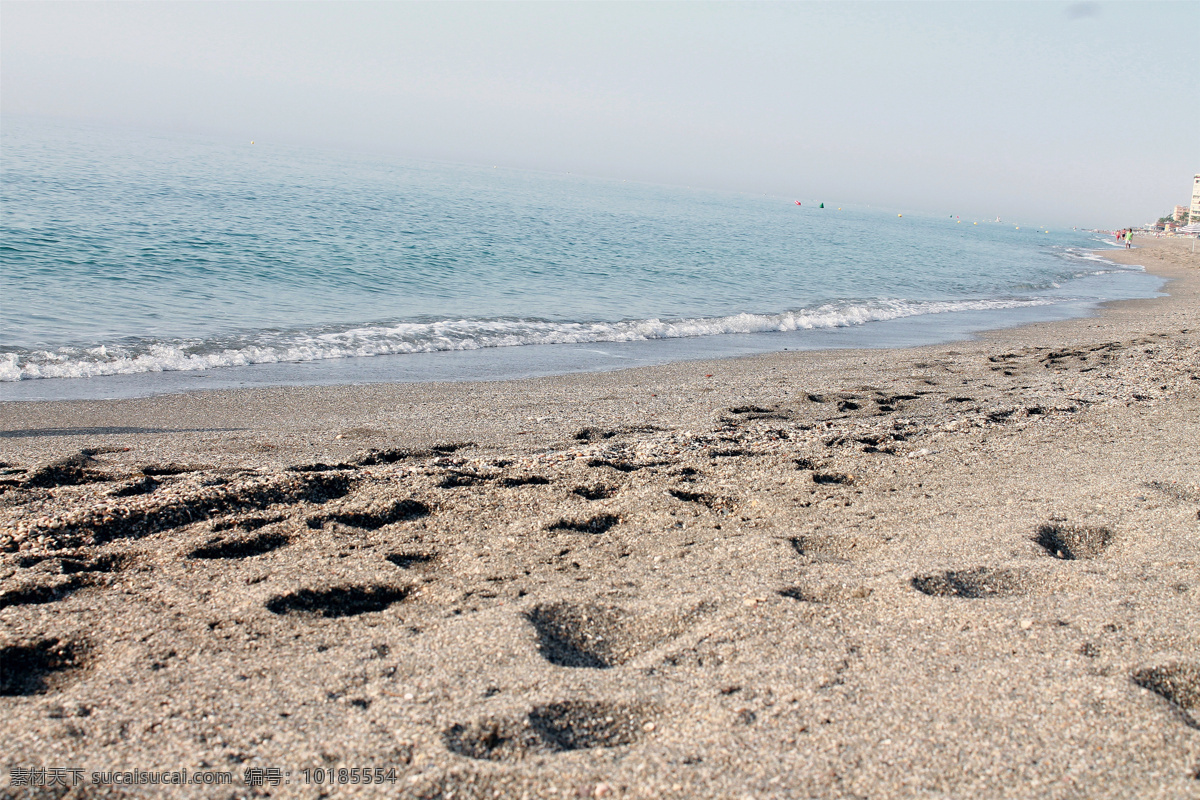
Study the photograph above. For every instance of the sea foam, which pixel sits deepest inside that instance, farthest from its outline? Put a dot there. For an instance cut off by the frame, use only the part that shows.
(269, 347)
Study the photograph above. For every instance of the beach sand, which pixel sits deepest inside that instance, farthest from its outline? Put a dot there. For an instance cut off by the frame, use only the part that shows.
(965, 570)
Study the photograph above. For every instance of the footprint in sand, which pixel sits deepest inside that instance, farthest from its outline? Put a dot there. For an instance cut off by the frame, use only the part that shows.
(598, 636)
(709, 501)
(234, 547)
(338, 601)
(595, 525)
(979, 582)
(597, 492)
(551, 728)
(48, 579)
(410, 560)
(1070, 542)
(1179, 683)
(832, 547)
(373, 517)
(41, 666)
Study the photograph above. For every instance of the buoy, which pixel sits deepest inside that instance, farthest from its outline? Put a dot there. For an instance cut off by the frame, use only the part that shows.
(821, 206)
(899, 215)
(798, 202)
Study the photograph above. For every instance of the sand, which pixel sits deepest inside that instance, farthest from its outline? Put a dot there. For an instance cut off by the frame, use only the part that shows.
(965, 570)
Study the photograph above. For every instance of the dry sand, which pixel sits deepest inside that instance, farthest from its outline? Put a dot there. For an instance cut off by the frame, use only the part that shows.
(960, 571)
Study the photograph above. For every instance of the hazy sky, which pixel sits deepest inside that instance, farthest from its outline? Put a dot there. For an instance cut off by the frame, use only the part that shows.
(1051, 113)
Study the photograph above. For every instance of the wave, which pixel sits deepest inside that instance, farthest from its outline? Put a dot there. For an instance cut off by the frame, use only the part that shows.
(267, 347)
(1085, 254)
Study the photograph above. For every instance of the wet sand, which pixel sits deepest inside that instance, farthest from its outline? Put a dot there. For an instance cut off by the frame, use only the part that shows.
(966, 570)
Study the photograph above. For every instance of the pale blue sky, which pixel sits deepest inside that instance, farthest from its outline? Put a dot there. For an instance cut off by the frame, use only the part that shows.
(1050, 113)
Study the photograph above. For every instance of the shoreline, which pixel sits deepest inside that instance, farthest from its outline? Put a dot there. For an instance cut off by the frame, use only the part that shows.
(223, 407)
(526, 361)
(963, 569)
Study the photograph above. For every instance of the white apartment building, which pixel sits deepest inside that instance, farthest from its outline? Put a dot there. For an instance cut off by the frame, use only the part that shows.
(1195, 211)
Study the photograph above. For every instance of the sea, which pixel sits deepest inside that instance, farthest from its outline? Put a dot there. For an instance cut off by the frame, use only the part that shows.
(137, 263)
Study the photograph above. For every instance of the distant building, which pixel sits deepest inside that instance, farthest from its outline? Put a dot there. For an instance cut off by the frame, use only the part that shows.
(1180, 213)
(1196, 199)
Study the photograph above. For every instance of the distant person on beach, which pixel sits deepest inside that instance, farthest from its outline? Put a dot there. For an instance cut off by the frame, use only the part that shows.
(1128, 238)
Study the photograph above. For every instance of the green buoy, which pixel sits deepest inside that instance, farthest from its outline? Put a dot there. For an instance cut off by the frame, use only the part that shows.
(821, 206)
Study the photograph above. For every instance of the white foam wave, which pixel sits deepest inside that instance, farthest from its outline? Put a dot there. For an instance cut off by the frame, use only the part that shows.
(448, 335)
(1081, 254)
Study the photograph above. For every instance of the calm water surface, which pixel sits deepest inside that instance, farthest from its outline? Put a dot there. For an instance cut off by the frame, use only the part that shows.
(136, 263)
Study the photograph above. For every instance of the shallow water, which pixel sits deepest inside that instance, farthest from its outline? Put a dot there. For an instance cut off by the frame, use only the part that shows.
(139, 263)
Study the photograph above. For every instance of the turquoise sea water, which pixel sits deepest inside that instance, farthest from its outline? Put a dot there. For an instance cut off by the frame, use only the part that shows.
(137, 263)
